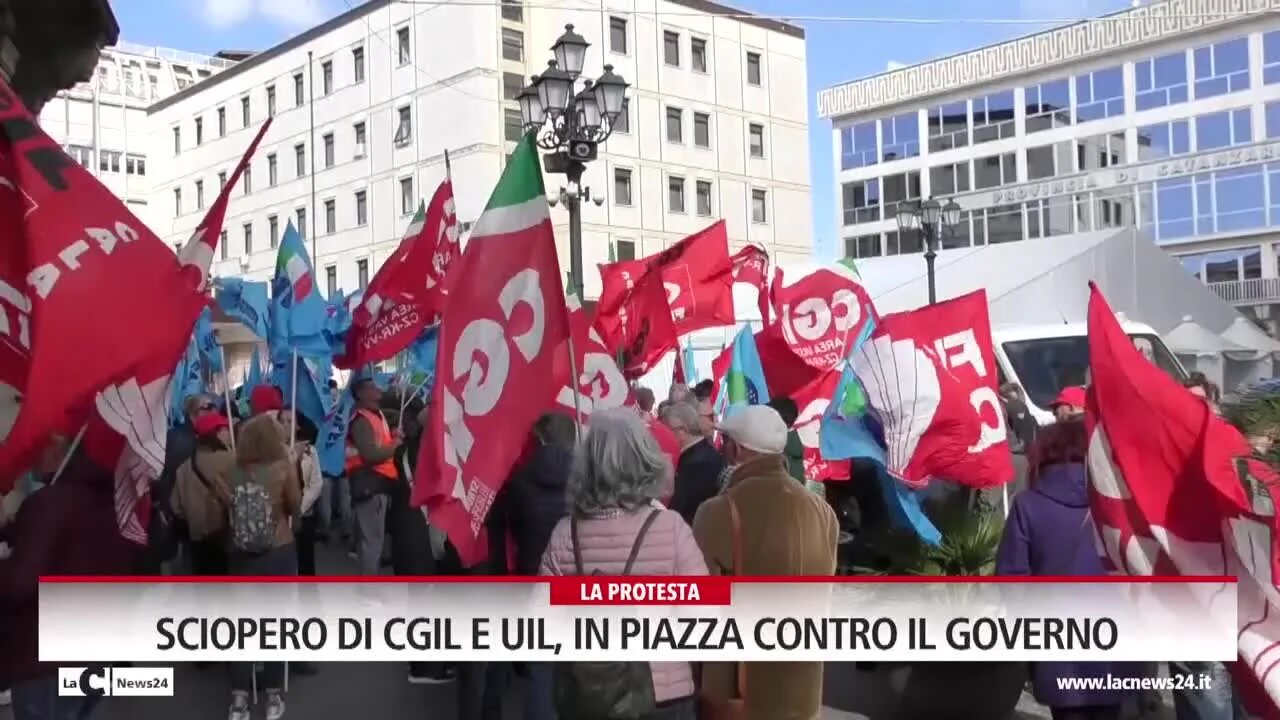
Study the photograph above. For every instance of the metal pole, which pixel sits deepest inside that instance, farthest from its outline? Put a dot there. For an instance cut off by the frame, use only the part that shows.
(929, 255)
(311, 140)
(573, 202)
(226, 389)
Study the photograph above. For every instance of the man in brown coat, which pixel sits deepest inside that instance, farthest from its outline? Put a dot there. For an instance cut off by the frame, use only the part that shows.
(786, 530)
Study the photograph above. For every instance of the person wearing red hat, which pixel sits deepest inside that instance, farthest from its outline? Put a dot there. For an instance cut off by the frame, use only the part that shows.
(1069, 405)
(265, 399)
(201, 490)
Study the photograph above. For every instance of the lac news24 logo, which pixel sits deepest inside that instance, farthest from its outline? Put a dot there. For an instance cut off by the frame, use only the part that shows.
(99, 680)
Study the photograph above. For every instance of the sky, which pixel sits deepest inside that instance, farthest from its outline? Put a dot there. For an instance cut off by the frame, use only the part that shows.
(837, 50)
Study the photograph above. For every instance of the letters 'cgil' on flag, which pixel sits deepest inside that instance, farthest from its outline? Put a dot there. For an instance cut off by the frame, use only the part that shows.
(245, 302)
(500, 335)
(744, 382)
(298, 312)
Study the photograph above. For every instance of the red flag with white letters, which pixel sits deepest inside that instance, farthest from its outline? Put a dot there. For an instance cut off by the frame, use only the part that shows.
(822, 314)
(751, 267)
(601, 385)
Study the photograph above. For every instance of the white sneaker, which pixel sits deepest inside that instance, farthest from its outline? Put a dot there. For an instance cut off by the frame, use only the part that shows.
(239, 707)
(6, 699)
(275, 705)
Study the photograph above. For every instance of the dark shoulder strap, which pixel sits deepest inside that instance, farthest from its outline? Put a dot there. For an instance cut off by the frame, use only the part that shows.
(195, 467)
(577, 548)
(635, 547)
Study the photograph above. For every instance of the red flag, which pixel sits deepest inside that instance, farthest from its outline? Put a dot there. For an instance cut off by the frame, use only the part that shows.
(407, 293)
(822, 314)
(696, 277)
(784, 372)
(503, 326)
(677, 370)
(645, 331)
(601, 384)
(751, 267)
(75, 255)
(930, 373)
(812, 401)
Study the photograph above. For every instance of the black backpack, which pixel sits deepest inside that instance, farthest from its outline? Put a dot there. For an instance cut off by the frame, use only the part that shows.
(607, 690)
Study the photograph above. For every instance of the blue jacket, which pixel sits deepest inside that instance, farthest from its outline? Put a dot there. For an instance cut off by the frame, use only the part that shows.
(1049, 532)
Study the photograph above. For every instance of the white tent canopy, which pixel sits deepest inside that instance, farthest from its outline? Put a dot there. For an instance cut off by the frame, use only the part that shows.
(1245, 333)
(1192, 338)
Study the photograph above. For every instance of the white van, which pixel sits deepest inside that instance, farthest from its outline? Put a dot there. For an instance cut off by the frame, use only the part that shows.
(1043, 359)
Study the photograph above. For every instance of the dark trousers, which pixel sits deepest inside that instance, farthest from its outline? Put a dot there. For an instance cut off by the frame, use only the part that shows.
(305, 540)
(209, 556)
(1087, 712)
(480, 690)
(276, 562)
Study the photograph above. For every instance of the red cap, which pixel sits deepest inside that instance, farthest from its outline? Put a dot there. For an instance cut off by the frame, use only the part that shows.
(209, 423)
(265, 398)
(1073, 396)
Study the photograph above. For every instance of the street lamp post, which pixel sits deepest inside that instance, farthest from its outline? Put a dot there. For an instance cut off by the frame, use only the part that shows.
(570, 124)
(931, 218)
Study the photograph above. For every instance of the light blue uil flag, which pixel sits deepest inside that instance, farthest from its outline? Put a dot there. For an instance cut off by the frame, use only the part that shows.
(252, 381)
(331, 446)
(298, 312)
(187, 381)
(246, 302)
(210, 352)
(312, 400)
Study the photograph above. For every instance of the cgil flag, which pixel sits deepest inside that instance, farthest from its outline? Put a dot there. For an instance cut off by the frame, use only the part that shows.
(501, 333)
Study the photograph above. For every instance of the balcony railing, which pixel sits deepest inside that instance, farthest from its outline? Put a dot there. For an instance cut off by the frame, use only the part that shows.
(1257, 291)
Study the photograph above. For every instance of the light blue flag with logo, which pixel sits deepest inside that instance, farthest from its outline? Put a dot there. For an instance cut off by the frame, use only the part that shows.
(312, 399)
(187, 381)
(252, 381)
(422, 362)
(687, 359)
(210, 353)
(744, 382)
(332, 442)
(298, 312)
(337, 323)
(245, 301)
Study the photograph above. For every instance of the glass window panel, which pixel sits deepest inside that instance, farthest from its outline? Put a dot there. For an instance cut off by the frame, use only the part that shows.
(858, 145)
(1161, 81)
(949, 179)
(1273, 181)
(1251, 264)
(994, 171)
(1048, 161)
(1202, 185)
(1271, 57)
(1048, 105)
(1099, 151)
(1221, 266)
(1221, 68)
(1173, 206)
(861, 201)
(960, 235)
(1239, 202)
(1004, 224)
(949, 126)
(993, 117)
(900, 136)
(862, 246)
(1164, 140)
(1223, 129)
(898, 189)
(1099, 94)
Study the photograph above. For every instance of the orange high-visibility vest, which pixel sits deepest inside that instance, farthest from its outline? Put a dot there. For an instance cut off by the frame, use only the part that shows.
(386, 468)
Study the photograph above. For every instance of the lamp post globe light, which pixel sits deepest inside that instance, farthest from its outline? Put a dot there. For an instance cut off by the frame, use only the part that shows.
(569, 124)
(930, 218)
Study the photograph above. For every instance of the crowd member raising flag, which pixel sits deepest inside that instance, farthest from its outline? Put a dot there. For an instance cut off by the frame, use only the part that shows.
(405, 295)
(501, 333)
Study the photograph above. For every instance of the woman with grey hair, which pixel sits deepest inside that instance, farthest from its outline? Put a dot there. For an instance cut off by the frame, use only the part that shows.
(616, 526)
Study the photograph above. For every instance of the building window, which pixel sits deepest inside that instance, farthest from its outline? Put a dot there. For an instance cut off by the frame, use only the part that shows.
(302, 222)
(1100, 152)
(1271, 57)
(109, 161)
(404, 126)
(862, 246)
(362, 208)
(330, 216)
(222, 245)
(331, 280)
(512, 85)
(298, 98)
(1223, 129)
(326, 77)
(1161, 81)
(402, 46)
(622, 124)
(1099, 94)
(755, 140)
(273, 174)
(900, 136)
(512, 45)
(618, 35)
(362, 273)
(271, 101)
(759, 206)
(1164, 140)
(134, 164)
(177, 201)
(1046, 161)
(675, 125)
(994, 171)
(702, 197)
(993, 117)
(948, 126)
(900, 188)
(199, 131)
(949, 179)
(1272, 112)
(222, 122)
(300, 159)
(675, 194)
(406, 195)
(753, 73)
(1048, 105)
(512, 11)
(222, 179)
(512, 125)
(626, 250)
(273, 231)
(671, 48)
(358, 129)
(248, 238)
(199, 194)
(858, 145)
(328, 150)
(248, 180)
(244, 111)
(82, 155)
(1221, 68)
(621, 186)
(357, 65)
(702, 130)
(698, 54)
(177, 141)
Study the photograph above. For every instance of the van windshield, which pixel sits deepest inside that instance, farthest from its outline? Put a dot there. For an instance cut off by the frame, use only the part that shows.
(1046, 365)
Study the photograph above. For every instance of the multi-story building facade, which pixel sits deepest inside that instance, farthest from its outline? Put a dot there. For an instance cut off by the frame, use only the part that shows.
(715, 127)
(1165, 116)
(102, 122)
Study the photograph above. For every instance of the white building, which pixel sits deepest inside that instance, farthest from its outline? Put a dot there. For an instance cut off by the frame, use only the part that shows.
(1164, 117)
(103, 123)
(716, 127)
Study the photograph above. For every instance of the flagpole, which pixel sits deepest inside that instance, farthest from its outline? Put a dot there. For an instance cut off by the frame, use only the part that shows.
(573, 383)
(448, 168)
(226, 389)
(293, 400)
(311, 104)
